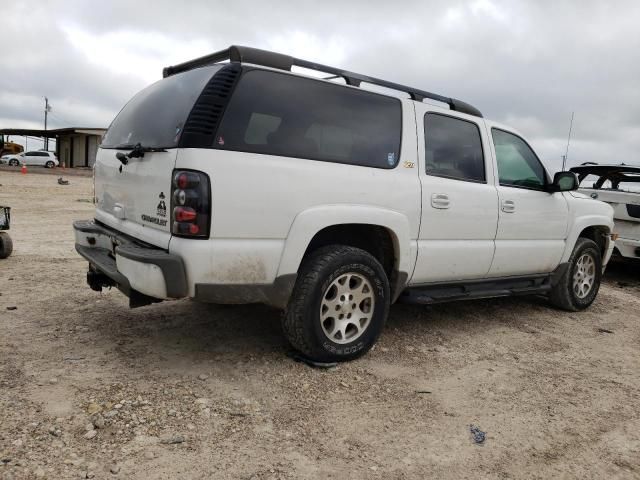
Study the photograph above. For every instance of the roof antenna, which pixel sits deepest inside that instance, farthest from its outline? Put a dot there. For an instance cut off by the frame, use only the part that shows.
(566, 153)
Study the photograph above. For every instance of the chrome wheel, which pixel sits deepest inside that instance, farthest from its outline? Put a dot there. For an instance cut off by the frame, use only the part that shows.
(346, 308)
(584, 276)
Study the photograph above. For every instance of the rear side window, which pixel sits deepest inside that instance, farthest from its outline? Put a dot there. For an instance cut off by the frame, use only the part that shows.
(279, 114)
(453, 148)
(518, 166)
(155, 116)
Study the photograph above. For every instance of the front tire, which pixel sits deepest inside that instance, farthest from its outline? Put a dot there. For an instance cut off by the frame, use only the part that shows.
(579, 285)
(339, 304)
(13, 163)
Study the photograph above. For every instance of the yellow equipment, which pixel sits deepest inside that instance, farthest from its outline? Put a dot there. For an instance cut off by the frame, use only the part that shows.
(9, 148)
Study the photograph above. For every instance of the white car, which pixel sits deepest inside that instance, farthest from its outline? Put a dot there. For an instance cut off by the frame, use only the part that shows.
(40, 158)
(243, 182)
(619, 186)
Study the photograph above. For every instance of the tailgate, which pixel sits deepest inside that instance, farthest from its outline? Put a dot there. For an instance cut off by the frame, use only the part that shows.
(134, 198)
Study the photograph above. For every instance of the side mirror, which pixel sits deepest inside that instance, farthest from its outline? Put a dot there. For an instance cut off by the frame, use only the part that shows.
(564, 182)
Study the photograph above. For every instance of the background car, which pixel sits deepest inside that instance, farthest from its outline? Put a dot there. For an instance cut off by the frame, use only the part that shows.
(619, 186)
(38, 158)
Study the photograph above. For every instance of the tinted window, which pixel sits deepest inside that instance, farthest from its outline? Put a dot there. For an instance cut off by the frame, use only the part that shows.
(453, 148)
(31, 154)
(517, 164)
(156, 115)
(280, 114)
(260, 127)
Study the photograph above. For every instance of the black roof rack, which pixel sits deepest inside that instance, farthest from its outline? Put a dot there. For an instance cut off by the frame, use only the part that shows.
(256, 56)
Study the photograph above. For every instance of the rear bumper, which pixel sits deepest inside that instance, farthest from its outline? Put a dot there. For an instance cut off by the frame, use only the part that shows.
(143, 273)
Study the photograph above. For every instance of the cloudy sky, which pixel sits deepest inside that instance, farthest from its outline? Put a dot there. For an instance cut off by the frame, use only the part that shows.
(525, 63)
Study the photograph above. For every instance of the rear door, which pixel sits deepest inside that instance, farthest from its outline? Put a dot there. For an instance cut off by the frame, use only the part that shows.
(459, 200)
(133, 196)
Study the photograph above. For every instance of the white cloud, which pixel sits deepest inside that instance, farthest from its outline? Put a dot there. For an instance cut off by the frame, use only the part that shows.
(330, 48)
(489, 9)
(133, 53)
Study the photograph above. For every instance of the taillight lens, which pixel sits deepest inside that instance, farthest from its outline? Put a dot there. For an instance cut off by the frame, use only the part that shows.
(184, 180)
(190, 204)
(184, 214)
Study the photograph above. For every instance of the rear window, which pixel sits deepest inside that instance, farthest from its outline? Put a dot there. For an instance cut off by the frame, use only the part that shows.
(453, 148)
(279, 114)
(155, 116)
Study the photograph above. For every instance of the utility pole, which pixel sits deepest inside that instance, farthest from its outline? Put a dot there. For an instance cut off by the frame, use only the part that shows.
(47, 109)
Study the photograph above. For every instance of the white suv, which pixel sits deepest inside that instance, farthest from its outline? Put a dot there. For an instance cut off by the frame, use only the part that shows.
(40, 158)
(243, 182)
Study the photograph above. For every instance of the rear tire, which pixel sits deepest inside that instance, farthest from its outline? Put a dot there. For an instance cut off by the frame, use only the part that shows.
(49, 164)
(6, 245)
(339, 304)
(579, 285)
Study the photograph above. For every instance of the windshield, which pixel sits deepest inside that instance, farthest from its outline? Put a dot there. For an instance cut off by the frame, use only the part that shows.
(155, 116)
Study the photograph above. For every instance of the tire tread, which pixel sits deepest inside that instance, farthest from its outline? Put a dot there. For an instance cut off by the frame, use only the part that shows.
(6, 245)
(560, 295)
(310, 271)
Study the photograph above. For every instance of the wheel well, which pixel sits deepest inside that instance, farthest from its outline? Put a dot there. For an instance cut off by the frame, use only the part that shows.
(598, 235)
(376, 240)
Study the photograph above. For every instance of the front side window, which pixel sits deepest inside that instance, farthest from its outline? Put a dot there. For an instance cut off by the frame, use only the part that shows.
(279, 114)
(453, 148)
(518, 165)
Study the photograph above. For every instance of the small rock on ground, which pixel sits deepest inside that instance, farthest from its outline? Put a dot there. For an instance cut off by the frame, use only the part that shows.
(171, 439)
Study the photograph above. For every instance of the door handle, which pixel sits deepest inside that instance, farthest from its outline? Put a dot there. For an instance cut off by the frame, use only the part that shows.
(440, 200)
(508, 206)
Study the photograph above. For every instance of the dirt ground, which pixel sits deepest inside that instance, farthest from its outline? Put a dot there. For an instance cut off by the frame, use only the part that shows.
(92, 389)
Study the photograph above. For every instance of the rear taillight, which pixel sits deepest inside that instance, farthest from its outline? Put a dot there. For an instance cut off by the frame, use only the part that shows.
(190, 204)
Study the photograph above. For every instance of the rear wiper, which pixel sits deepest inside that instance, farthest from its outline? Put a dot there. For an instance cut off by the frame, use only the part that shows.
(138, 151)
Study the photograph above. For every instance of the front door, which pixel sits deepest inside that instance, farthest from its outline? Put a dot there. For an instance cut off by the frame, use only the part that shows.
(459, 200)
(532, 227)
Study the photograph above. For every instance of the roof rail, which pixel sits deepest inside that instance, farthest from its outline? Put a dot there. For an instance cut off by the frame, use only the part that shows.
(266, 58)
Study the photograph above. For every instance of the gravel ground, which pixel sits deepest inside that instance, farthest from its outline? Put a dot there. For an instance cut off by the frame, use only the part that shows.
(92, 389)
